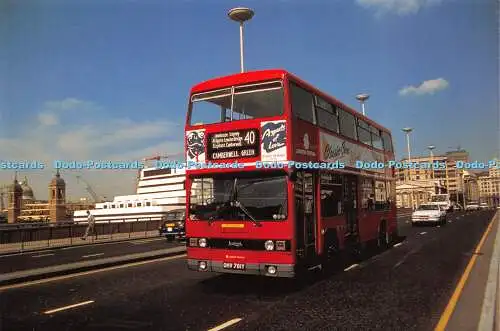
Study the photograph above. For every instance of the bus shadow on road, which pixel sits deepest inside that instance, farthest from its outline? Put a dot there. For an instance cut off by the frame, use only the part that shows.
(261, 286)
(270, 287)
(264, 286)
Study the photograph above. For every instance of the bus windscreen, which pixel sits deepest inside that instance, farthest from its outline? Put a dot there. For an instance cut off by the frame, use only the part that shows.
(238, 103)
(219, 197)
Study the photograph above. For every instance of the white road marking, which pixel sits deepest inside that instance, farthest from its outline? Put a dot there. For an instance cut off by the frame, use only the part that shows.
(140, 242)
(91, 272)
(92, 255)
(68, 307)
(351, 267)
(398, 244)
(226, 324)
(422, 233)
(26, 253)
(42, 255)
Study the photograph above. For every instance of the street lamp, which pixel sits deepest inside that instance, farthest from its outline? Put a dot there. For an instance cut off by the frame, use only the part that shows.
(431, 148)
(408, 131)
(241, 15)
(362, 98)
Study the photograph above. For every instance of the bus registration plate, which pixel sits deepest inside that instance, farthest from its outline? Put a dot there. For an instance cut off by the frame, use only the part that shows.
(233, 266)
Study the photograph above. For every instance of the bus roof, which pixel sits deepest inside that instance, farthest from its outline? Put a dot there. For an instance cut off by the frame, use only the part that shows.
(270, 74)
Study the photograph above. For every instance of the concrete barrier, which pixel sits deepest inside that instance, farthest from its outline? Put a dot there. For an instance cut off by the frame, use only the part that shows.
(490, 317)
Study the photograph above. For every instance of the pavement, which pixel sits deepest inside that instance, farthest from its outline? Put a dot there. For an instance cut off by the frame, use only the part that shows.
(407, 287)
(31, 246)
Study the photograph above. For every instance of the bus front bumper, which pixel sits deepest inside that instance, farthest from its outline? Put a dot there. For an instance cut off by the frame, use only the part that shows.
(262, 269)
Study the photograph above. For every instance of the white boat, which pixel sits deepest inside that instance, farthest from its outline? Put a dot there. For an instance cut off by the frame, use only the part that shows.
(158, 192)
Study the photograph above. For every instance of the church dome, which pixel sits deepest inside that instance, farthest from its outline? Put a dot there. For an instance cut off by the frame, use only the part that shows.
(27, 190)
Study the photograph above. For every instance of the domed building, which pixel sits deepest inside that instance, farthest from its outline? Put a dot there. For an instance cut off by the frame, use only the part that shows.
(22, 205)
(28, 196)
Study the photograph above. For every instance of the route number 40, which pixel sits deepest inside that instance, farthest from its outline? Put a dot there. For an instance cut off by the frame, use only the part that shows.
(250, 137)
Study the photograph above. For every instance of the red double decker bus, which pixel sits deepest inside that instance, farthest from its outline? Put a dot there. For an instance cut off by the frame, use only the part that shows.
(281, 176)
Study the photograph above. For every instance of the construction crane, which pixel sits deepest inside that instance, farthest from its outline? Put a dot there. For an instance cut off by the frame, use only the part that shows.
(89, 188)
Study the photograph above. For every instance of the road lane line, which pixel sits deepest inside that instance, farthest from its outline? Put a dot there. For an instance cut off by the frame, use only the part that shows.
(84, 273)
(42, 255)
(26, 253)
(68, 307)
(351, 267)
(398, 244)
(226, 324)
(140, 242)
(445, 317)
(92, 255)
(422, 233)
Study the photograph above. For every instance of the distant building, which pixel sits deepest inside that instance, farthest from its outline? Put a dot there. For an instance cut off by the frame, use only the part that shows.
(489, 186)
(24, 207)
(14, 204)
(414, 186)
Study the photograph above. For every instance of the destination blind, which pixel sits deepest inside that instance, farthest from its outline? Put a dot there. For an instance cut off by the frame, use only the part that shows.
(233, 144)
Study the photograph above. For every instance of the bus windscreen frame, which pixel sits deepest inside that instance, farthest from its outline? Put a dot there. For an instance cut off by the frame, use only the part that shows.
(230, 100)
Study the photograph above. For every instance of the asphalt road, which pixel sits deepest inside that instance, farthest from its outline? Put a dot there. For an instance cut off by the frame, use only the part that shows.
(404, 288)
(47, 258)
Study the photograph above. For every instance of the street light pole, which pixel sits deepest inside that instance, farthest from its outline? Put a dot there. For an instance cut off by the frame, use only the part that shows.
(241, 15)
(362, 98)
(431, 148)
(408, 131)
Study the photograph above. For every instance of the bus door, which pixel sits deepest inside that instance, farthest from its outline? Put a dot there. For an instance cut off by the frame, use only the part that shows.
(305, 214)
(350, 203)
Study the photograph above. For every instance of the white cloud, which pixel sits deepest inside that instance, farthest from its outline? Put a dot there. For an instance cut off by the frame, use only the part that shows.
(48, 119)
(427, 87)
(400, 7)
(73, 129)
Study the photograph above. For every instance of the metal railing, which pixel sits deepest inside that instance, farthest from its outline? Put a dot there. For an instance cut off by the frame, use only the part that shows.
(26, 236)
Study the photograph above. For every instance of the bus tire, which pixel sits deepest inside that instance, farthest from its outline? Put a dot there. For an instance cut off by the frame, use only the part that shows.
(331, 250)
(383, 237)
(331, 245)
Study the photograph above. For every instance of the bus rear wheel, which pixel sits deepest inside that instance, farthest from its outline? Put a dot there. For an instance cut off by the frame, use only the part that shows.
(331, 251)
(384, 237)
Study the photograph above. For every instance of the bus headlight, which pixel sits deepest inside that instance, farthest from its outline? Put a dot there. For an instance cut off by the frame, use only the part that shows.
(271, 270)
(202, 242)
(269, 245)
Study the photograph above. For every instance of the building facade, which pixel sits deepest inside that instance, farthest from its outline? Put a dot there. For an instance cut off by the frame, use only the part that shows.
(415, 185)
(24, 207)
(489, 186)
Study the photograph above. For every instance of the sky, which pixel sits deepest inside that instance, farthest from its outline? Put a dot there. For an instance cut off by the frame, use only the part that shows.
(109, 80)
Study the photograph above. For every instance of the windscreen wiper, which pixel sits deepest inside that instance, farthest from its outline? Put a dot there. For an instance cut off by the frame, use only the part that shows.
(232, 197)
(243, 208)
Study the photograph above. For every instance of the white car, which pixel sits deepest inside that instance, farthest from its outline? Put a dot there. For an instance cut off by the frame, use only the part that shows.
(429, 213)
(483, 205)
(472, 206)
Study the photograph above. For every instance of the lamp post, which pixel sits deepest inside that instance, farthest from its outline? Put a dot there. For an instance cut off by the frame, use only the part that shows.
(241, 15)
(362, 98)
(463, 188)
(407, 131)
(431, 148)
